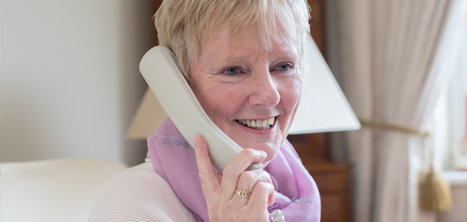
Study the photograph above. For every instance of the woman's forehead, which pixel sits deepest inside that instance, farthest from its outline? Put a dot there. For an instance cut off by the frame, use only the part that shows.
(247, 45)
(228, 37)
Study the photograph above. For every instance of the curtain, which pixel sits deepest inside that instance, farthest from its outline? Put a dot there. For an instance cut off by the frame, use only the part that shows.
(387, 56)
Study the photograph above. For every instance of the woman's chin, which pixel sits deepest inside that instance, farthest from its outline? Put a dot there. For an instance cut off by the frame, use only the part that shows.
(267, 140)
(270, 148)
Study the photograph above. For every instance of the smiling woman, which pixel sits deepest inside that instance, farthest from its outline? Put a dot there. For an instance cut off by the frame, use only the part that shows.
(243, 61)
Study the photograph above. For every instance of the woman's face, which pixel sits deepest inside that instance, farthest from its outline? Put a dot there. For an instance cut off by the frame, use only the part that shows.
(251, 94)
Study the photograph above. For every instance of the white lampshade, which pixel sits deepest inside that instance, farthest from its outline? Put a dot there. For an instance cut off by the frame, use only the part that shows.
(323, 106)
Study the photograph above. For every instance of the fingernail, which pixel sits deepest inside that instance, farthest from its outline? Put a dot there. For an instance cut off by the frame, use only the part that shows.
(195, 139)
(262, 152)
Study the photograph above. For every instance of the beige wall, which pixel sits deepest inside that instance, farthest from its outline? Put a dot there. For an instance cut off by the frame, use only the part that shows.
(70, 81)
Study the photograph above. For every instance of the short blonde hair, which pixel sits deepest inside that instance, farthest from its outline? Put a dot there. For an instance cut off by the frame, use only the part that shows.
(184, 25)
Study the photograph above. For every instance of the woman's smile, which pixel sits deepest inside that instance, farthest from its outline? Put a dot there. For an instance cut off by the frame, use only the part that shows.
(257, 124)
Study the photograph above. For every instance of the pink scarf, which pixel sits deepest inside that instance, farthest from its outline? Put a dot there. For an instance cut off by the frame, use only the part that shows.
(296, 193)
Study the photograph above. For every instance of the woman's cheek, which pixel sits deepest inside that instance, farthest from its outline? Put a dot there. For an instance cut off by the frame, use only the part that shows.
(221, 102)
(291, 93)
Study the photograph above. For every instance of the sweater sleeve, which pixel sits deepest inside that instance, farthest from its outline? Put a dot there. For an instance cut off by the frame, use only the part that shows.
(139, 194)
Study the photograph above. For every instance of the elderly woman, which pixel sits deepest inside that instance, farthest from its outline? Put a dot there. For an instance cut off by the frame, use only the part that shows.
(243, 60)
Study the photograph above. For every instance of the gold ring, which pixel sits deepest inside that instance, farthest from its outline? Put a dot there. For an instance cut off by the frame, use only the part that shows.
(243, 193)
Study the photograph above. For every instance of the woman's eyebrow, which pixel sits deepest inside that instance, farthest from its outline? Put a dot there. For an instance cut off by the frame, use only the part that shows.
(286, 50)
(237, 58)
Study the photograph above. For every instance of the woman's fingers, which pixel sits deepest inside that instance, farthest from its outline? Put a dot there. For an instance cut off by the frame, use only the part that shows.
(222, 197)
(209, 181)
(261, 196)
(253, 177)
(249, 179)
(238, 165)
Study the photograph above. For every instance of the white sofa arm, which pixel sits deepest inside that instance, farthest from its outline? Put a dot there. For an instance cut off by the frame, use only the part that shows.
(53, 190)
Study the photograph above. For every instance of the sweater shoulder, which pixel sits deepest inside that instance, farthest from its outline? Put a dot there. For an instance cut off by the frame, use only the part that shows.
(139, 194)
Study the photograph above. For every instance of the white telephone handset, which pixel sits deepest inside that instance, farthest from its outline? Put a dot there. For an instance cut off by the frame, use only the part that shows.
(160, 70)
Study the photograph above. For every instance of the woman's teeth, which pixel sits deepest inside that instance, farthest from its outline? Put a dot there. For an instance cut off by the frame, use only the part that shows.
(258, 124)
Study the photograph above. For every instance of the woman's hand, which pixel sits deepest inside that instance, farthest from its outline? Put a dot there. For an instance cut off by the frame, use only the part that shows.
(219, 190)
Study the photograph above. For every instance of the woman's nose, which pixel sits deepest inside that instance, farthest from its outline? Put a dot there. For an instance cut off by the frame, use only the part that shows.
(263, 90)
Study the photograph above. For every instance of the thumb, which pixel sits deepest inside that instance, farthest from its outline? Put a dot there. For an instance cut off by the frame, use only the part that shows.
(209, 181)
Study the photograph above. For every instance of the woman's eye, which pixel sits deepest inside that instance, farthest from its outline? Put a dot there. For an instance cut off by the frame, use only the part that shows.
(284, 67)
(231, 71)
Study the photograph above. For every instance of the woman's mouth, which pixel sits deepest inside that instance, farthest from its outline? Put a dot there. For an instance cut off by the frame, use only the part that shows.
(257, 124)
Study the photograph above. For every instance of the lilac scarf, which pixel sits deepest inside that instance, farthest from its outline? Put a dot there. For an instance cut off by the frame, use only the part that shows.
(296, 194)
